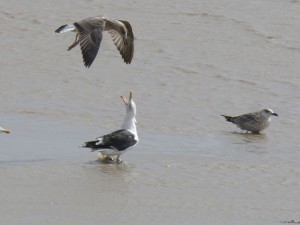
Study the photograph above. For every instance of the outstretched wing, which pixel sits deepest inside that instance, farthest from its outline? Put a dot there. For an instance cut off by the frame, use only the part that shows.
(90, 36)
(125, 47)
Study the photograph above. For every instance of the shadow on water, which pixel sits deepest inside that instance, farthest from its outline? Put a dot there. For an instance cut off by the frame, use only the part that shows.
(250, 137)
(111, 167)
(252, 142)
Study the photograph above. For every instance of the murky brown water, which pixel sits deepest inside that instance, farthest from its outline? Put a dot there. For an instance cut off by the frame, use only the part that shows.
(193, 61)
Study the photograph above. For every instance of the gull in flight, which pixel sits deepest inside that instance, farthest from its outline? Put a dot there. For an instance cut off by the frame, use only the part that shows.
(89, 36)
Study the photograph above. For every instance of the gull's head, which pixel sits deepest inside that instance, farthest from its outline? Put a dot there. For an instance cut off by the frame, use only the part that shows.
(268, 112)
(4, 130)
(130, 106)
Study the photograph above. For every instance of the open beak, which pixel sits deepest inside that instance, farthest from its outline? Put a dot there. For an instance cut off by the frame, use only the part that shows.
(274, 114)
(124, 99)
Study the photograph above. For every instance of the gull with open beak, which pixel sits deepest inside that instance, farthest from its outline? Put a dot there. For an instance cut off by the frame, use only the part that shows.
(118, 142)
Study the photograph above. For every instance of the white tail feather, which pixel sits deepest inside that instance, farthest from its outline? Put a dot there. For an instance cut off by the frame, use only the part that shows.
(65, 28)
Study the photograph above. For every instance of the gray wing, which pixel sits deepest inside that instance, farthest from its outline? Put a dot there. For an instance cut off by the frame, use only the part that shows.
(126, 48)
(90, 37)
(247, 118)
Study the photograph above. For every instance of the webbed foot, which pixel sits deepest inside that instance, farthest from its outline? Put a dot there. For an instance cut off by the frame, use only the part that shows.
(108, 159)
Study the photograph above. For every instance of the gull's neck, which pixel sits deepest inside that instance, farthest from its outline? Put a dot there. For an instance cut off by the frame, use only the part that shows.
(129, 124)
(266, 117)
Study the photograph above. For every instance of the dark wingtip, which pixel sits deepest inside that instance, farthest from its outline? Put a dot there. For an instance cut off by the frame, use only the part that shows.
(87, 64)
(88, 57)
(85, 145)
(89, 144)
(228, 118)
(126, 59)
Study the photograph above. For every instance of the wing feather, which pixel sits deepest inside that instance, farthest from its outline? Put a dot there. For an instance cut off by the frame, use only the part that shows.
(90, 36)
(126, 48)
(120, 140)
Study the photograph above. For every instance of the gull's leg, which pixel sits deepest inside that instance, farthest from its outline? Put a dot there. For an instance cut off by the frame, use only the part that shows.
(75, 42)
(119, 161)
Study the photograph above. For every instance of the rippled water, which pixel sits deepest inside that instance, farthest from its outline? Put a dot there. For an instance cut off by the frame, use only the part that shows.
(194, 60)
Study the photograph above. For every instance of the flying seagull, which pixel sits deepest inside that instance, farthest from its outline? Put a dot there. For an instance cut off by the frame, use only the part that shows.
(4, 130)
(252, 122)
(117, 142)
(89, 36)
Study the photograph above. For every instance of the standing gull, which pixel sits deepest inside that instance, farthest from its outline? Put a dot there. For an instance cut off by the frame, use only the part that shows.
(117, 142)
(253, 122)
(4, 130)
(89, 35)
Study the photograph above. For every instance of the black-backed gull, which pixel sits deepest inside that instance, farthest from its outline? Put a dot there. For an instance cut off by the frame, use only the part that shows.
(118, 142)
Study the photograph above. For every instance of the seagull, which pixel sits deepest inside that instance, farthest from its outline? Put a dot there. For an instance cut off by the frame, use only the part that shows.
(89, 36)
(117, 142)
(4, 130)
(252, 122)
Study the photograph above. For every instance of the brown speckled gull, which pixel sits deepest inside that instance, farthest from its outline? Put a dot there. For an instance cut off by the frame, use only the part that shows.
(89, 36)
(253, 122)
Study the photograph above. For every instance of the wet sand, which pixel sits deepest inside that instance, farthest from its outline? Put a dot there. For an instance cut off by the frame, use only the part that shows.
(47, 179)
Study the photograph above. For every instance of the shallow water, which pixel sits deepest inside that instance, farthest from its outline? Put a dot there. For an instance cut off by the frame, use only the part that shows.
(193, 61)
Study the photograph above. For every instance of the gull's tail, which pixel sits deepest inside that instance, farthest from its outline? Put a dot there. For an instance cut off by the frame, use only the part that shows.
(93, 145)
(65, 28)
(90, 144)
(229, 118)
